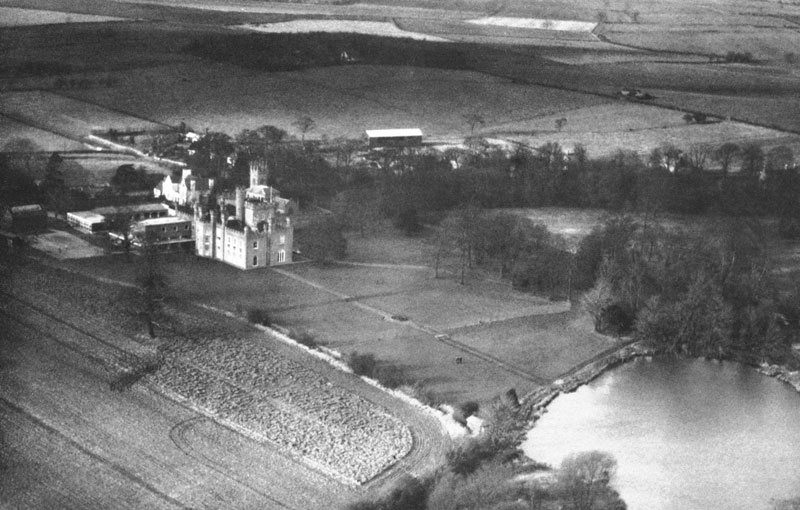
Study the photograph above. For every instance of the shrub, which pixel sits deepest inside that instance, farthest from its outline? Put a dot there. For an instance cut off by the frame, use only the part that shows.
(259, 316)
(789, 228)
(418, 391)
(362, 364)
(408, 221)
(615, 319)
(468, 457)
(468, 409)
(303, 337)
(391, 376)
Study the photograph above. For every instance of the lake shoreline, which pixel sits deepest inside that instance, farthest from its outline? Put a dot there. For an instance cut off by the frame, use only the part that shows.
(535, 403)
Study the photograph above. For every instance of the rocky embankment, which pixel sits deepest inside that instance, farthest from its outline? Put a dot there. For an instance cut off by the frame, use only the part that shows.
(537, 401)
(781, 373)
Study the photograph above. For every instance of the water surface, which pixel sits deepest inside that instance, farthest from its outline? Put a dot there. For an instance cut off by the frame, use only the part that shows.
(687, 434)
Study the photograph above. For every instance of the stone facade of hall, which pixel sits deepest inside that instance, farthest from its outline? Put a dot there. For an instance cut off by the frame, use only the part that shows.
(259, 234)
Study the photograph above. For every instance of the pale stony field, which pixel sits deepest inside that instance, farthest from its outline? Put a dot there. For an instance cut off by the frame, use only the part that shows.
(15, 17)
(305, 26)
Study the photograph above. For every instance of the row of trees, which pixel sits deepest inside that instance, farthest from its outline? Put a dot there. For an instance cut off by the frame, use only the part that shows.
(412, 185)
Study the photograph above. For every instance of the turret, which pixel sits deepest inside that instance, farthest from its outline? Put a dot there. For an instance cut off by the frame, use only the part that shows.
(259, 173)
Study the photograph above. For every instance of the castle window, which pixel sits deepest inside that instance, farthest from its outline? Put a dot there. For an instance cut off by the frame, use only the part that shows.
(282, 256)
(255, 244)
(282, 239)
(255, 260)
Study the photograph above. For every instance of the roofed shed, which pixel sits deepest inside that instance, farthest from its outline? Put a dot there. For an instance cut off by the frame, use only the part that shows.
(27, 218)
(394, 137)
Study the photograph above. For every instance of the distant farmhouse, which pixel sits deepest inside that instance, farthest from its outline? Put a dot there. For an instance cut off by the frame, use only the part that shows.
(188, 191)
(25, 219)
(394, 138)
(259, 234)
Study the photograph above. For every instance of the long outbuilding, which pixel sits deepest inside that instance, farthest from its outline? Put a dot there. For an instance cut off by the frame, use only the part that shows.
(399, 138)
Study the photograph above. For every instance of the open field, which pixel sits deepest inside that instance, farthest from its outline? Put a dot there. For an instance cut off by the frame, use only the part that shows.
(59, 244)
(342, 324)
(146, 73)
(548, 345)
(74, 444)
(11, 129)
(68, 116)
(344, 101)
(767, 109)
(395, 312)
(765, 43)
(604, 129)
(205, 359)
(12, 17)
(96, 169)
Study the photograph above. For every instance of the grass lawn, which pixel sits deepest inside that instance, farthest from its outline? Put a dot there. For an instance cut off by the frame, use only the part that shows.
(547, 346)
(384, 245)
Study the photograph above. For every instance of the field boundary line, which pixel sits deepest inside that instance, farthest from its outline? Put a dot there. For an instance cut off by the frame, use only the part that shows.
(111, 464)
(381, 266)
(27, 122)
(597, 357)
(483, 66)
(437, 335)
(104, 107)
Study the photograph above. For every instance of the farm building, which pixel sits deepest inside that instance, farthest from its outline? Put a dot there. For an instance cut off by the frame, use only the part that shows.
(394, 138)
(24, 219)
(189, 190)
(170, 232)
(133, 213)
(260, 234)
(87, 221)
(98, 220)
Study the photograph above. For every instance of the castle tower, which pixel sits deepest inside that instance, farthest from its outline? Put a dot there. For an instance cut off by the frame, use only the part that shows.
(259, 173)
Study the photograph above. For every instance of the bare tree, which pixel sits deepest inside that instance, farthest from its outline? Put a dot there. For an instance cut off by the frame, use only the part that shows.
(305, 124)
(584, 479)
(473, 119)
(752, 159)
(697, 156)
(122, 228)
(560, 123)
(151, 285)
(725, 154)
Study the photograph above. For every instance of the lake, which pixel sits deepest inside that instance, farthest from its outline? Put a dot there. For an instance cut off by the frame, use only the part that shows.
(687, 434)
